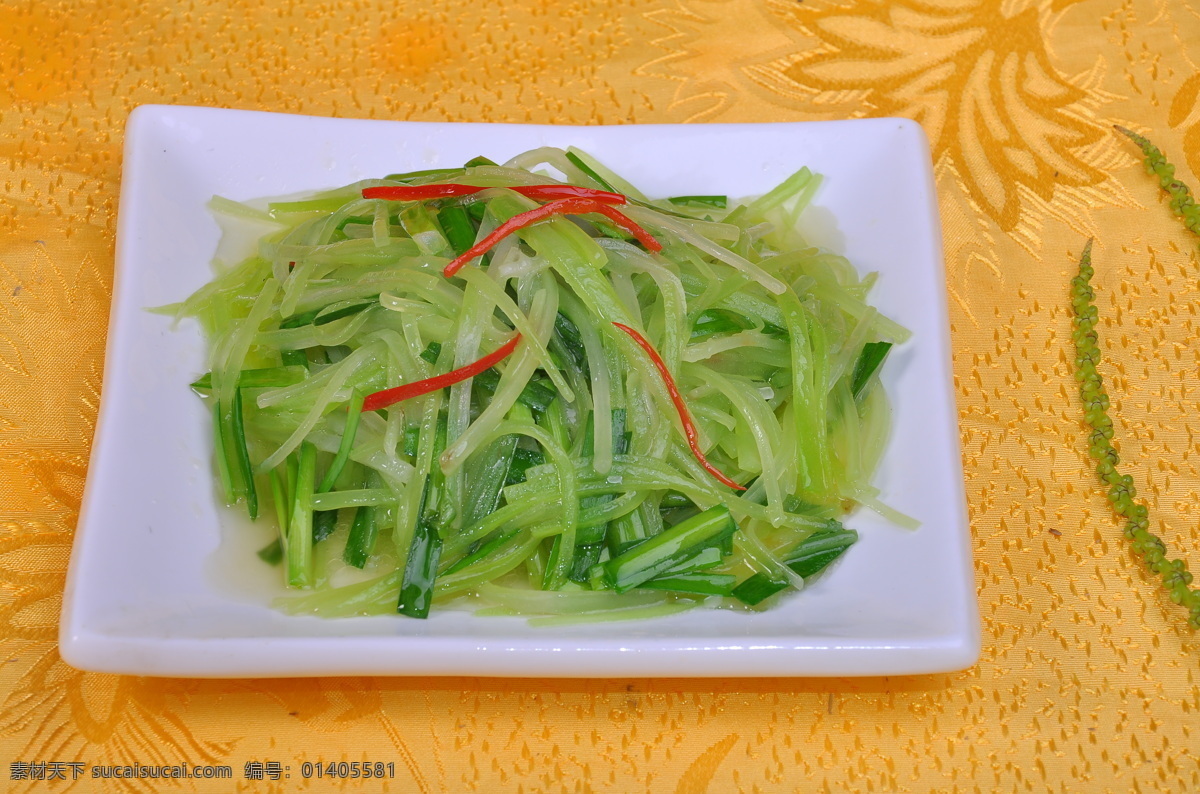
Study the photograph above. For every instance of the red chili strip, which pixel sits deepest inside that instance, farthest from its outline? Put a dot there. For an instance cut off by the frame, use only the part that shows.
(577, 205)
(628, 224)
(450, 190)
(382, 399)
(689, 428)
(418, 192)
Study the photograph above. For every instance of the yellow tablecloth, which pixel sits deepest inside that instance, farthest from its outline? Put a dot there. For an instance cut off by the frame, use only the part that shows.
(1089, 676)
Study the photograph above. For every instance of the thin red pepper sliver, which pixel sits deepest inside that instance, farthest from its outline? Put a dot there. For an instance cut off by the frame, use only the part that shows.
(451, 189)
(566, 206)
(382, 399)
(628, 224)
(418, 192)
(689, 428)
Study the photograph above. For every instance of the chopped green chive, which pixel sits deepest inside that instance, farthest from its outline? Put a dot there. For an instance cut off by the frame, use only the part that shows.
(663, 551)
(347, 443)
(869, 361)
(809, 558)
(590, 172)
(460, 231)
(242, 456)
(364, 530)
(703, 201)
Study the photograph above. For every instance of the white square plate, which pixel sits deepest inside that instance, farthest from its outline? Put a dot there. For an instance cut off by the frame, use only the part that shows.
(154, 590)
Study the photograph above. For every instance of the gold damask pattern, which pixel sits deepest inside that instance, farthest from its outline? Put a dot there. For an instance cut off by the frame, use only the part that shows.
(979, 79)
(1089, 681)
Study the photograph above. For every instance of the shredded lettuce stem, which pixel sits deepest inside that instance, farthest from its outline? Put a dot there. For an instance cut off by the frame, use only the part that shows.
(521, 490)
